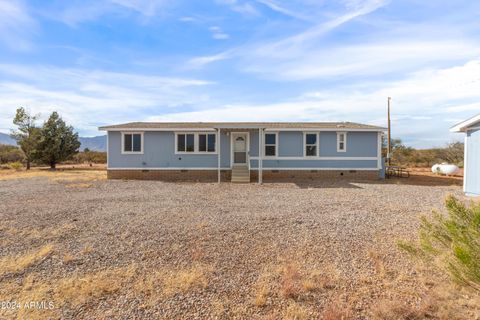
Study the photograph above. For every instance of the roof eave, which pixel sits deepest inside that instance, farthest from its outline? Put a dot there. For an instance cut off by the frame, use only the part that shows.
(464, 125)
(243, 128)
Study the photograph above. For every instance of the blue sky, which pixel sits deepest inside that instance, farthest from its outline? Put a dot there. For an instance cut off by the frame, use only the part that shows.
(104, 62)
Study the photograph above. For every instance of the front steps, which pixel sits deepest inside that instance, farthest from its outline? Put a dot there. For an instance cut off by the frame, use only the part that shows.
(240, 174)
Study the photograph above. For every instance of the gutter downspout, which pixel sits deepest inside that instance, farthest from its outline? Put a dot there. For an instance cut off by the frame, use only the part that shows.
(465, 160)
(260, 156)
(219, 142)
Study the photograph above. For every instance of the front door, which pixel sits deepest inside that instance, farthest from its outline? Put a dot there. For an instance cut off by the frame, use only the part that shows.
(239, 148)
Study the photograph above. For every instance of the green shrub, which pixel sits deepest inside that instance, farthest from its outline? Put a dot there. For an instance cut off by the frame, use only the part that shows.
(16, 165)
(10, 154)
(90, 157)
(453, 240)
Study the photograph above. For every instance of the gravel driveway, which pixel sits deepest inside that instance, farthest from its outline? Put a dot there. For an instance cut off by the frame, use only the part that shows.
(233, 251)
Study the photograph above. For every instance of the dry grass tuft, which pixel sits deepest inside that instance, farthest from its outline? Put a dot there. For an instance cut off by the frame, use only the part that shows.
(79, 185)
(377, 262)
(39, 233)
(19, 263)
(198, 253)
(58, 175)
(78, 290)
(150, 285)
(167, 282)
(158, 284)
(68, 258)
(263, 287)
(316, 279)
(296, 281)
(182, 281)
(87, 249)
(386, 309)
(218, 307)
(37, 291)
(296, 312)
(337, 311)
(261, 295)
(291, 281)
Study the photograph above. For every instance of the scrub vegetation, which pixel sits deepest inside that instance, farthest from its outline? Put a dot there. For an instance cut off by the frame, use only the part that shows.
(452, 241)
(406, 156)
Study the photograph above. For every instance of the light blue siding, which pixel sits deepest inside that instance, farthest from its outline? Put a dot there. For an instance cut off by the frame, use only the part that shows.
(472, 174)
(314, 164)
(253, 143)
(359, 144)
(290, 144)
(159, 152)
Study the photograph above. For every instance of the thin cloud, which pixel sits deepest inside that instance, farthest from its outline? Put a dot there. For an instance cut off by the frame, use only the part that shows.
(321, 29)
(278, 8)
(88, 10)
(145, 7)
(218, 33)
(244, 8)
(200, 62)
(16, 25)
(82, 95)
(370, 59)
(416, 99)
(291, 45)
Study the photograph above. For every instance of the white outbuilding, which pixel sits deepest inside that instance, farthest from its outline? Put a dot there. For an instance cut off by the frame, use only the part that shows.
(471, 179)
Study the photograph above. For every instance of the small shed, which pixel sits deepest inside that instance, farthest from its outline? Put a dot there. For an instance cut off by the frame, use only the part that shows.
(471, 179)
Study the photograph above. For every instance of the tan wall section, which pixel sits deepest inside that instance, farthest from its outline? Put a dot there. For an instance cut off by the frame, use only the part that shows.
(268, 175)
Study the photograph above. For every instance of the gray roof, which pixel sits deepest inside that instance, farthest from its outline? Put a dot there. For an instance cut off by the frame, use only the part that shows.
(243, 125)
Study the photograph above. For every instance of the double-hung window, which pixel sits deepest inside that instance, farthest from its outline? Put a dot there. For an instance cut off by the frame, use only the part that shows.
(341, 141)
(271, 144)
(206, 142)
(196, 143)
(186, 142)
(132, 142)
(311, 144)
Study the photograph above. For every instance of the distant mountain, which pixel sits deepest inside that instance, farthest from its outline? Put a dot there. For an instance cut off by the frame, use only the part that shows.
(98, 143)
(6, 139)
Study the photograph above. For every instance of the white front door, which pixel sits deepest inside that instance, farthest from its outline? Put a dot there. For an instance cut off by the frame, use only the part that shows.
(239, 141)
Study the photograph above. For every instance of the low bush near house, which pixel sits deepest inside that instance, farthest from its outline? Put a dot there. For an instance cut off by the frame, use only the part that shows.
(16, 165)
(90, 157)
(452, 240)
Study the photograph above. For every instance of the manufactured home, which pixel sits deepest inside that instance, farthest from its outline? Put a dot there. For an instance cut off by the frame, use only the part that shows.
(471, 163)
(244, 151)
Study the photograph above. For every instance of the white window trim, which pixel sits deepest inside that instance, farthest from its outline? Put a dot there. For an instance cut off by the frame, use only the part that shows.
(344, 142)
(265, 145)
(317, 144)
(196, 142)
(141, 142)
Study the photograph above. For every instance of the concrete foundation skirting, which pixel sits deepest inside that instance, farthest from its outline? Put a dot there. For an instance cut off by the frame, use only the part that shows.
(170, 175)
(268, 175)
(286, 175)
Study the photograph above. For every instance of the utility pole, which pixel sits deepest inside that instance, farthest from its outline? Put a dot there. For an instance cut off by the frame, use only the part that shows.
(389, 141)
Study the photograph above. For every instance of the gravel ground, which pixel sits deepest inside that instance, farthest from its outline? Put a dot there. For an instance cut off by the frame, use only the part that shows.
(236, 235)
